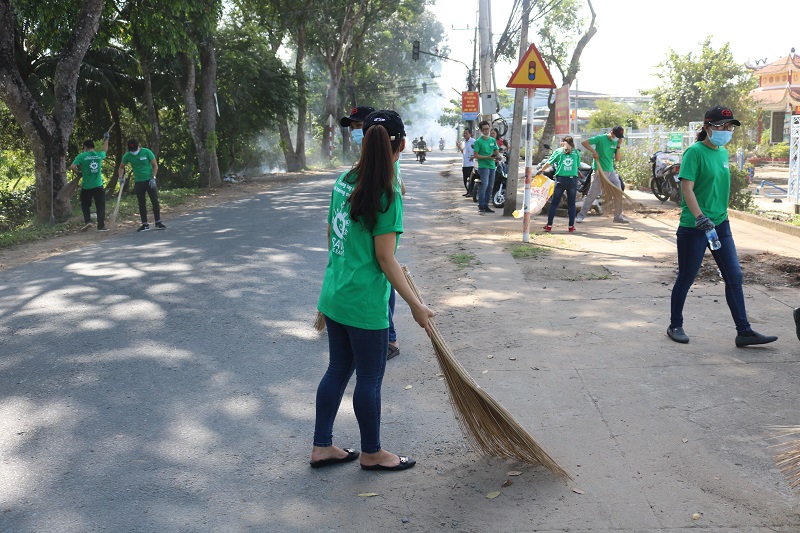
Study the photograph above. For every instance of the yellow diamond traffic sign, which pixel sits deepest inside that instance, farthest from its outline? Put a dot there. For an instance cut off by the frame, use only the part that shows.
(531, 73)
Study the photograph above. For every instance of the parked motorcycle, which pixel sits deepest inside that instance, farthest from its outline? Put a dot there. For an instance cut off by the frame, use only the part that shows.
(665, 183)
(441, 144)
(498, 189)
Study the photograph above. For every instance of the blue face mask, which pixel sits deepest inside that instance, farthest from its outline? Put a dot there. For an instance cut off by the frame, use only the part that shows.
(357, 136)
(720, 138)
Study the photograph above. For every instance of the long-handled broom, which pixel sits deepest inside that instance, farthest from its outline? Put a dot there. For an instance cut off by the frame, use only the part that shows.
(113, 219)
(787, 455)
(486, 424)
(613, 195)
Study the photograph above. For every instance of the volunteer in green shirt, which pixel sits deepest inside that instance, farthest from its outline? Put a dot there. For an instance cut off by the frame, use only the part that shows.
(365, 220)
(90, 164)
(565, 160)
(486, 152)
(705, 185)
(605, 152)
(145, 167)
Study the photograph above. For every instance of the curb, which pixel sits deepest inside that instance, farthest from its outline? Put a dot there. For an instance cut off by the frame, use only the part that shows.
(774, 225)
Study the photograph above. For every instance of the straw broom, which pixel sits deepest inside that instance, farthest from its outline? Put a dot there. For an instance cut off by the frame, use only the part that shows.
(787, 457)
(613, 195)
(489, 428)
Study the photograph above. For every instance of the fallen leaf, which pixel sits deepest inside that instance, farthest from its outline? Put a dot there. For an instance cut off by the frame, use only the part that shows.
(490, 356)
(696, 516)
(408, 387)
(492, 495)
(506, 483)
(440, 379)
(577, 490)
(368, 494)
(513, 473)
(685, 440)
(485, 372)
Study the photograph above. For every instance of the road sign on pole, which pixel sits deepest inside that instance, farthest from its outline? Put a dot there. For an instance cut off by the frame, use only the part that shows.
(531, 72)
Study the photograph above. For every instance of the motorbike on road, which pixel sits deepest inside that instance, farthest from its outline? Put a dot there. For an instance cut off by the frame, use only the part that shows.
(441, 144)
(665, 184)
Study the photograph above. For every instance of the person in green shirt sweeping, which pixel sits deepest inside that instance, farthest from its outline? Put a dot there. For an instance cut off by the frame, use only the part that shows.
(365, 220)
(90, 163)
(145, 167)
(605, 151)
(565, 160)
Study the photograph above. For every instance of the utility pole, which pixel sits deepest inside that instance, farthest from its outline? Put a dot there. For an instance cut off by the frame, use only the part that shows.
(514, 151)
(484, 25)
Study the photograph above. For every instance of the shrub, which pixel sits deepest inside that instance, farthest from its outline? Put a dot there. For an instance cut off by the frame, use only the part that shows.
(740, 198)
(17, 207)
(780, 150)
(634, 167)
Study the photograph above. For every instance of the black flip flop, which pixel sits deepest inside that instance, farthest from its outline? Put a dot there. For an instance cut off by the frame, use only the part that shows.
(405, 464)
(394, 351)
(352, 455)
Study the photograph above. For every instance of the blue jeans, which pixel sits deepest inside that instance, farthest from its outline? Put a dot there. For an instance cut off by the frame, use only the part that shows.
(563, 183)
(692, 246)
(487, 183)
(392, 332)
(363, 351)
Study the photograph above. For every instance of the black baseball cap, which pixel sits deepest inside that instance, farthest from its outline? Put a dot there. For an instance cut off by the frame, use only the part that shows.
(719, 115)
(133, 145)
(357, 114)
(388, 119)
(618, 131)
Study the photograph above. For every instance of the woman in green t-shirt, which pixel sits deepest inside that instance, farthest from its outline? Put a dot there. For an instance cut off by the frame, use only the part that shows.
(705, 184)
(566, 161)
(365, 220)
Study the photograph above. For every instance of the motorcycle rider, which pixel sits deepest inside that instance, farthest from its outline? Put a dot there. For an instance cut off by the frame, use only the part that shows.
(422, 148)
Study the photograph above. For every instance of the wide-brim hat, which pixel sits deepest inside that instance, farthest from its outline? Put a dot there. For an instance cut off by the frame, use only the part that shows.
(388, 119)
(719, 115)
(357, 114)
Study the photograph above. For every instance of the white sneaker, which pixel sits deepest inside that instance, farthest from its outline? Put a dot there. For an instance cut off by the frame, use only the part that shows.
(621, 220)
(579, 218)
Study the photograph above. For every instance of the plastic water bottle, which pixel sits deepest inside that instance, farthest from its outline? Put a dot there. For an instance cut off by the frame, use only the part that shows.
(713, 239)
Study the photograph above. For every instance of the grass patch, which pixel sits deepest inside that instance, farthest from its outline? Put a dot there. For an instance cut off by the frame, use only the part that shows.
(129, 205)
(464, 259)
(527, 251)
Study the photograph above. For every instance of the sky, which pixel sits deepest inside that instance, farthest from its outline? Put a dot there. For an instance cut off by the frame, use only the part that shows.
(634, 36)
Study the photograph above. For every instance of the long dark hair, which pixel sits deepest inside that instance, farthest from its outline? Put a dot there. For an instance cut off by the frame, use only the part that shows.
(374, 177)
(701, 135)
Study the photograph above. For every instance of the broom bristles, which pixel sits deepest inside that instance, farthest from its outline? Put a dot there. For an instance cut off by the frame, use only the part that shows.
(787, 456)
(614, 196)
(319, 322)
(486, 424)
(68, 189)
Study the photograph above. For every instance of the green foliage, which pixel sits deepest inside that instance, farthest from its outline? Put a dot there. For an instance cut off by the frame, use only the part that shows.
(17, 207)
(558, 33)
(610, 113)
(16, 169)
(780, 150)
(451, 116)
(741, 198)
(634, 167)
(693, 83)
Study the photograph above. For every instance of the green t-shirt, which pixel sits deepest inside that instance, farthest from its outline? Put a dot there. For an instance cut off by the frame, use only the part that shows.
(485, 146)
(142, 169)
(606, 148)
(90, 164)
(708, 169)
(355, 291)
(566, 164)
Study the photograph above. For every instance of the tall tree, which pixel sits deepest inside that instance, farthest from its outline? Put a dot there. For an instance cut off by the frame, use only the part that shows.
(47, 118)
(694, 82)
(557, 35)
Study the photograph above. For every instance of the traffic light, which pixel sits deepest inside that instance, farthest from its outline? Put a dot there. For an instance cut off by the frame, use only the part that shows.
(415, 51)
(424, 88)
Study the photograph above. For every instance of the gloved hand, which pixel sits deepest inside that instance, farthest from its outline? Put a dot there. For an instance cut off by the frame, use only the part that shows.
(106, 135)
(703, 223)
(153, 183)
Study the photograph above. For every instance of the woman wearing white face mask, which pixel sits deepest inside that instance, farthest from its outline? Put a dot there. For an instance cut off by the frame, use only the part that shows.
(705, 184)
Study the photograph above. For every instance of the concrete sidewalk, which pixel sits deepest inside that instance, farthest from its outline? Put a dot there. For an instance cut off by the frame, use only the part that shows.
(652, 431)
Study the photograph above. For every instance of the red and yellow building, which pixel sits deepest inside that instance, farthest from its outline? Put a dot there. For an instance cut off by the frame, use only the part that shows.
(777, 96)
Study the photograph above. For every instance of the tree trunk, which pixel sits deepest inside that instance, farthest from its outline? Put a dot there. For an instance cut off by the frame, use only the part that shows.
(208, 115)
(155, 128)
(296, 157)
(331, 104)
(48, 135)
(569, 77)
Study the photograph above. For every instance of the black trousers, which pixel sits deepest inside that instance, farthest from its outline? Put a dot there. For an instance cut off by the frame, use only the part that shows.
(98, 194)
(140, 188)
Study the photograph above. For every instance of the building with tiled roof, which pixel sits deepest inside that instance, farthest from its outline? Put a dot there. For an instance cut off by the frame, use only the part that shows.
(777, 95)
